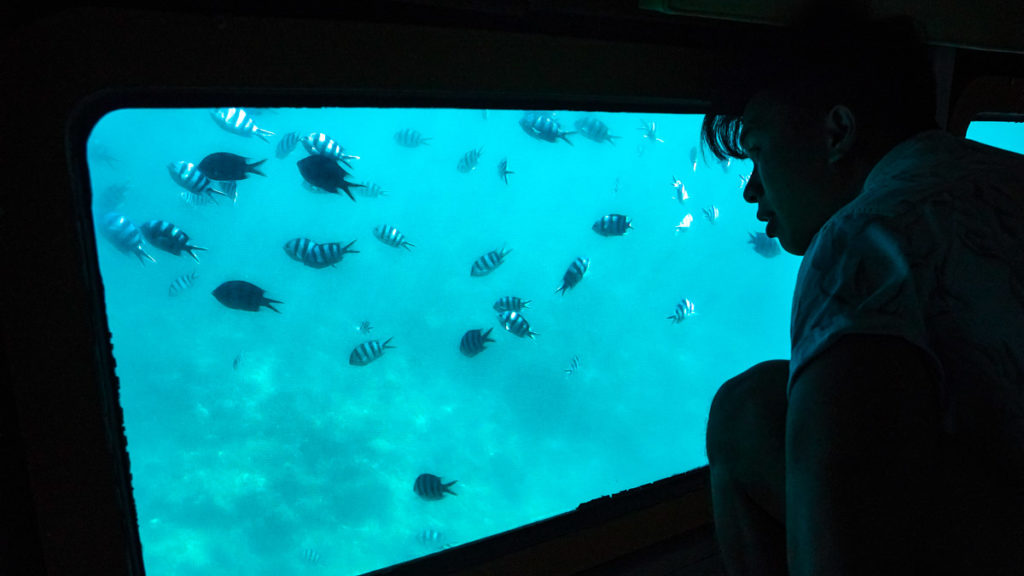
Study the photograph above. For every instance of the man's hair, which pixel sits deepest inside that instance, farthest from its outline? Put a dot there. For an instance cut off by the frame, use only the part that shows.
(880, 69)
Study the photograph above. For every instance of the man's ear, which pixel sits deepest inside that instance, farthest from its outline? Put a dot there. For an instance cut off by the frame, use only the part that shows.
(841, 129)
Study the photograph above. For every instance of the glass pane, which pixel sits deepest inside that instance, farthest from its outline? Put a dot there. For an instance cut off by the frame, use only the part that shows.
(1005, 135)
(266, 441)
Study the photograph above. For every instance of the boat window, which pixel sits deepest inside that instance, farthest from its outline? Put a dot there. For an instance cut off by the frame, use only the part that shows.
(1002, 134)
(348, 337)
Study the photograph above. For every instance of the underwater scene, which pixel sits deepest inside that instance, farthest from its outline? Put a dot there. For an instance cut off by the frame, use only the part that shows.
(349, 337)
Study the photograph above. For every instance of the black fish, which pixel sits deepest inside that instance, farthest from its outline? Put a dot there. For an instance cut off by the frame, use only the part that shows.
(503, 170)
(486, 264)
(410, 138)
(324, 173)
(125, 236)
(228, 166)
(469, 160)
(287, 144)
(594, 129)
(182, 283)
(516, 324)
(429, 487)
(241, 295)
(368, 352)
(543, 126)
(510, 303)
(473, 342)
(765, 245)
(169, 238)
(390, 235)
(612, 225)
(574, 274)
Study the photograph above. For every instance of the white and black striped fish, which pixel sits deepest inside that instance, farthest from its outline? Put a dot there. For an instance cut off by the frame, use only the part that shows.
(368, 352)
(298, 248)
(371, 190)
(474, 341)
(612, 225)
(390, 235)
(169, 238)
(237, 121)
(469, 160)
(510, 303)
(594, 129)
(287, 143)
(683, 311)
(711, 213)
(430, 487)
(516, 324)
(311, 557)
(503, 170)
(432, 538)
(574, 274)
(323, 145)
(125, 236)
(194, 200)
(679, 191)
(410, 138)
(486, 264)
(543, 126)
(317, 255)
(574, 365)
(188, 176)
(182, 283)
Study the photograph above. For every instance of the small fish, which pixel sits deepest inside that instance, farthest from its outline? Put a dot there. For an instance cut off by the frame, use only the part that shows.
(390, 235)
(169, 238)
(368, 352)
(430, 487)
(364, 327)
(511, 303)
(680, 194)
(125, 236)
(237, 361)
(486, 264)
(298, 248)
(473, 342)
(328, 254)
(182, 283)
(574, 365)
(650, 132)
(410, 138)
(684, 224)
(241, 295)
(503, 170)
(324, 173)
(516, 324)
(191, 178)
(693, 158)
(288, 143)
(594, 129)
(371, 190)
(543, 126)
(612, 225)
(193, 199)
(765, 245)
(321, 144)
(311, 557)
(574, 274)
(431, 538)
(469, 160)
(683, 311)
(228, 166)
(711, 213)
(237, 121)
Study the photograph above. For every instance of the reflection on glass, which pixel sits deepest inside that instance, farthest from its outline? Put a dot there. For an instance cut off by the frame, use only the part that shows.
(350, 337)
(1005, 135)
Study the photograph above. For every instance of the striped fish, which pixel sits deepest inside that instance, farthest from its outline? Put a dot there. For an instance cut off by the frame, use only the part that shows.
(328, 254)
(287, 143)
(486, 264)
(169, 238)
(298, 248)
(390, 235)
(430, 487)
(650, 131)
(680, 194)
(693, 158)
(683, 311)
(612, 225)
(432, 538)
(194, 200)
(371, 190)
(684, 224)
(182, 283)
(323, 145)
(474, 341)
(574, 274)
(125, 236)
(311, 557)
(469, 160)
(574, 365)
(543, 126)
(516, 324)
(594, 129)
(711, 213)
(368, 352)
(510, 303)
(410, 138)
(237, 121)
(188, 176)
(503, 170)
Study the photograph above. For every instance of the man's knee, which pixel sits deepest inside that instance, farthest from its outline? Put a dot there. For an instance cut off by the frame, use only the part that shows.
(747, 410)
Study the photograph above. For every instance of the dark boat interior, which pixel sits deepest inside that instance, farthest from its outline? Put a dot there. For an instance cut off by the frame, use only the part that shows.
(67, 499)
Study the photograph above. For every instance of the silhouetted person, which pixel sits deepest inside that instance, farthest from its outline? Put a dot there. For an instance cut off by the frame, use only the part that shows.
(892, 442)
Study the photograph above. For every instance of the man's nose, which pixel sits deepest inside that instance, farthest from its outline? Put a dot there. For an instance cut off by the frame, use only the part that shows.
(753, 190)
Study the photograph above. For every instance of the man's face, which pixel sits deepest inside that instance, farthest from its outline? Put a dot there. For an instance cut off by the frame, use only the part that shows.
(791, 178)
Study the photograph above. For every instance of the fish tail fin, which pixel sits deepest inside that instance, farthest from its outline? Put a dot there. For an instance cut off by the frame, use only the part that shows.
(253, 167)
(346, 250)
(565, 136)
(143, 256)
(387, 346)
(407, 245)
(267, 302)
(447, 487)
(264, 134)
(193, 254)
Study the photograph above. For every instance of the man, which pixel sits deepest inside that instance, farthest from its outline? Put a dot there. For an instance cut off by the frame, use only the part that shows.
(892, 442)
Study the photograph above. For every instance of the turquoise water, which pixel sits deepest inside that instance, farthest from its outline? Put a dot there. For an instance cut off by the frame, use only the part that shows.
(295, 461)
(1006, 135)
